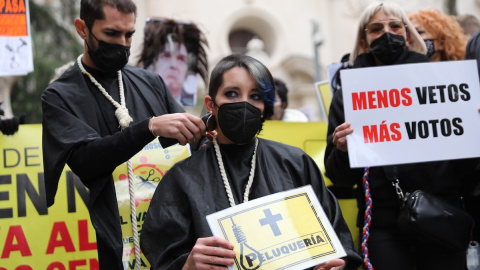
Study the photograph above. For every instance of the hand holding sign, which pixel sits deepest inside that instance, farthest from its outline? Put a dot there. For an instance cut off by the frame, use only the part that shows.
(210, 253)
(331, 265)
(340, 136)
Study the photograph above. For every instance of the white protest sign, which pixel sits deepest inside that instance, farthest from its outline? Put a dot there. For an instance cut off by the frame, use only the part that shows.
(412, 113)
(15, 39)
(286, 230)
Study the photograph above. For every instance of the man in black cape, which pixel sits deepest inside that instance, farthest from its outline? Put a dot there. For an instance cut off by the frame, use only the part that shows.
(100, 113)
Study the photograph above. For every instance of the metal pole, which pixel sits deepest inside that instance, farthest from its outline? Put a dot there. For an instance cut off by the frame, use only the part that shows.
(317, 39)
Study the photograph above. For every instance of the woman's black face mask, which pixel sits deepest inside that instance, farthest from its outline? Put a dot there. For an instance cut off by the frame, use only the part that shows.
(388, 48)
(239, 121)
(430, 43)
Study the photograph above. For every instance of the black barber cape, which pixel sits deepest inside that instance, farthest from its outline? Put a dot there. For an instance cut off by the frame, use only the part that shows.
(193, 188)
(80, 129)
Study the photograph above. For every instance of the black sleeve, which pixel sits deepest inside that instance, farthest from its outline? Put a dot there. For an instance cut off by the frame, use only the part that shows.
(337, 165)
(101, 156)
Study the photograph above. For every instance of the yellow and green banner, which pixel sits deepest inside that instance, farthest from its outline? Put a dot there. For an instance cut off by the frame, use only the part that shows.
(35, 237)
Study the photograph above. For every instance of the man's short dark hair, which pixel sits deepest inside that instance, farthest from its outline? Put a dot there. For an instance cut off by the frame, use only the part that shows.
(91, 10)
(281, 89)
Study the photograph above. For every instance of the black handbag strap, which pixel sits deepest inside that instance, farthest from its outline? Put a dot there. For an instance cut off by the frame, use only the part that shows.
(391, 172)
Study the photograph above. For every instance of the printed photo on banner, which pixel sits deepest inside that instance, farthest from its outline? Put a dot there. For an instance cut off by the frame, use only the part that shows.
(412, 113)
(286, 230)
(176, 50)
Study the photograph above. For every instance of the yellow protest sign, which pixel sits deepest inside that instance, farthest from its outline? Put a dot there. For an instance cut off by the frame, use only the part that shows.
(324, 95)
(286, 230)
(149, 166)
(33, 236)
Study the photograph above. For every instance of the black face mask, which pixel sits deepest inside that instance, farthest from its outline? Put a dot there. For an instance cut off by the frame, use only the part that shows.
(109, 57)
(239, 121)
(430, 47)
(388, 48)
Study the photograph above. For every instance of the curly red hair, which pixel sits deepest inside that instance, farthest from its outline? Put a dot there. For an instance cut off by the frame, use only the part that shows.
(445, 28)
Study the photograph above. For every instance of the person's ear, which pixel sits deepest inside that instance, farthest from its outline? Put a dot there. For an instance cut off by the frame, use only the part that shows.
(408, 39)
(81, 28)
(364, 45)
(209, 103)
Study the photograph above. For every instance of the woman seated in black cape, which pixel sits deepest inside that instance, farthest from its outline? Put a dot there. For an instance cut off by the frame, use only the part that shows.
(176, 234)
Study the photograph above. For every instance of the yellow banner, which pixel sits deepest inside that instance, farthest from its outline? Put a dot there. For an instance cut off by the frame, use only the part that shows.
(148, 166)
(33, 236)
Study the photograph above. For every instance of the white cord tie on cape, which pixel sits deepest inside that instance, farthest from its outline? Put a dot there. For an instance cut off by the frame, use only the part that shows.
(123, 117)
(224, 175)
(121, 113)
(124, 120)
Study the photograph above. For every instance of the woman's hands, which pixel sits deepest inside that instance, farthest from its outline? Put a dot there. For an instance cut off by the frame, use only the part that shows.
(335, 264)
(340, 136)
(210, 253)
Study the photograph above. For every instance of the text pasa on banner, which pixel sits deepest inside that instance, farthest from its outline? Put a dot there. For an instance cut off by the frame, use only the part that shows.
(13, 18)
(396, 111)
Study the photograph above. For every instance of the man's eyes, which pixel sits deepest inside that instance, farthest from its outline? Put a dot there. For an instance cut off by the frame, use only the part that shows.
(118, 33)
(165, 55)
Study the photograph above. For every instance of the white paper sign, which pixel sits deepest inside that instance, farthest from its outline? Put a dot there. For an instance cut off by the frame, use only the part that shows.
(286, 230)
(412, 113)
(15, 39)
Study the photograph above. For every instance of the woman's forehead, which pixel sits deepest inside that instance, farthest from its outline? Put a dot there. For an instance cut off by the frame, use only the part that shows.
(381, 15)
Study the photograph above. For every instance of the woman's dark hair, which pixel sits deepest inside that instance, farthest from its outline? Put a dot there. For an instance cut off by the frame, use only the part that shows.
(260, 74)
(91, 10)
(281, 89)
(156, 35)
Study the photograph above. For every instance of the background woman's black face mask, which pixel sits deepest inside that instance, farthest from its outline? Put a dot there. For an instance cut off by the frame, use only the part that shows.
(239, 121)
(430, 47)
(388, 48)
(109, 57)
